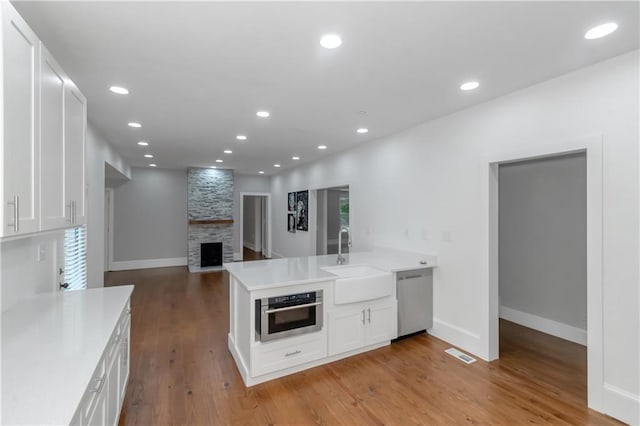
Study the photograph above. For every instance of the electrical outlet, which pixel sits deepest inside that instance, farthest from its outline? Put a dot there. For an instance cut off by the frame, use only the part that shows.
(425, 235)
(446, 236)
(41, 253)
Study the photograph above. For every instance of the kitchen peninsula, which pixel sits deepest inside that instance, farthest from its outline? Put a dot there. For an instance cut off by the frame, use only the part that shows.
(291, 314)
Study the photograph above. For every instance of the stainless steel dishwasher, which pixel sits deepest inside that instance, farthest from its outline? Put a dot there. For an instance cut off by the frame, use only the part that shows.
(415, 301)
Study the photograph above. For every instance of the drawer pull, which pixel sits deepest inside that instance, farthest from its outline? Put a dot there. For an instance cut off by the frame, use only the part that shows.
(293, 353)
(100, 383)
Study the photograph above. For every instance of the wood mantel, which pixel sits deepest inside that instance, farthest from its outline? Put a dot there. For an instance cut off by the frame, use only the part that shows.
(211, 222)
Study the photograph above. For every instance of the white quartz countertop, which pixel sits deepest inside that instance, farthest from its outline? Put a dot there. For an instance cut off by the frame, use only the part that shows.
(262, 274)
(51, 345)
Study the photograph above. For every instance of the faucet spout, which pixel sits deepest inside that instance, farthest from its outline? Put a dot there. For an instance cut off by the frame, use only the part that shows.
(341, 259)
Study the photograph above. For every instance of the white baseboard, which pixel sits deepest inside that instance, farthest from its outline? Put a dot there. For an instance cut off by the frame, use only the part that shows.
(554, 328)
(275, 255)
(237, 257)
(250, 246)
(621, 404)
(458, 336)
(147, 263)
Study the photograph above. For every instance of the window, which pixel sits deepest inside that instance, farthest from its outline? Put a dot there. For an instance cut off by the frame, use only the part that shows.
(344, 208)
(75, 258)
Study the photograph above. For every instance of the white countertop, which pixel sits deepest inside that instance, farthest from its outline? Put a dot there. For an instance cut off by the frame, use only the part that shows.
(51, 345)
(262, 274)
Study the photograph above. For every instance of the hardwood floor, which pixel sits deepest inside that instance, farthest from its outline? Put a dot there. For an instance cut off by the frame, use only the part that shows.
(248, 254)
(183, 373)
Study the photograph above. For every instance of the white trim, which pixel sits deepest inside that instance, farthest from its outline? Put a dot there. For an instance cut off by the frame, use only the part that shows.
(545, 325)
(592, 145)
(241, 220)
(148, 263)
(275, 255)
(457, 336)
(250, 246)
(622, 404)
(237, 257)
(109, 237)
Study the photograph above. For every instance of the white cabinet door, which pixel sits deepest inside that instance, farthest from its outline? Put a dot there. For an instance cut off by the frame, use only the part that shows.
(123, 370)
(98, 416)
(75, 109)
(20, 79)
(381, 323)
(113, 391)
(346, 330)
(54, 214)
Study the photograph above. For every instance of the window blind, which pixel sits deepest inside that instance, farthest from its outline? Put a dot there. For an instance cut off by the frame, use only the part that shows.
(75, 258)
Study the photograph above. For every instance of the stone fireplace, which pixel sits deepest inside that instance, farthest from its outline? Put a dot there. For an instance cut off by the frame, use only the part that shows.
(210, 212)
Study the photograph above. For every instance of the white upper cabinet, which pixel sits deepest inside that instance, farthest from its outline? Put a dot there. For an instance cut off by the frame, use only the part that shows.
(20, 144)
(43, 125)
(54, 212)
(75, 110)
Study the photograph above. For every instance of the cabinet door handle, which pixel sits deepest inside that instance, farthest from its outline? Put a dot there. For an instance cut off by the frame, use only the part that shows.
(363, 316)
(293, 353)
(16, 214)
(74, 212)
(100, 383)
(369, 309)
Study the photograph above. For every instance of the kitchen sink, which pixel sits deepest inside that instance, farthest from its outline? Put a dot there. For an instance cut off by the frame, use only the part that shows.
(358, 283)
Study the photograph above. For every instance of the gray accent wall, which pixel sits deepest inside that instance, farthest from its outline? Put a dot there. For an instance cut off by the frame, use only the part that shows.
(543, 246)
(150, 216)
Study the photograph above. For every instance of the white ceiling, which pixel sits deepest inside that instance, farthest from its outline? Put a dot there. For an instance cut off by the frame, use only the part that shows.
(199, 71)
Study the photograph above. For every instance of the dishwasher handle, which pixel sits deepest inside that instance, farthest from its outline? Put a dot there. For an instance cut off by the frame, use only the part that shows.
(410, 277)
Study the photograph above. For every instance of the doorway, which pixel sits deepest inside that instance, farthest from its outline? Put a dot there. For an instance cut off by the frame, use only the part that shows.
(332, 213)
(543, 268)
(592, 149)
(255, 226)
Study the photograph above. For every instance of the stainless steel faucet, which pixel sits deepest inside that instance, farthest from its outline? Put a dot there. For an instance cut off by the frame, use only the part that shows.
(341, 259)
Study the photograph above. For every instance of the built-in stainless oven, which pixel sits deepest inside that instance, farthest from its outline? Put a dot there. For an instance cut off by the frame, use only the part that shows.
(288, 315)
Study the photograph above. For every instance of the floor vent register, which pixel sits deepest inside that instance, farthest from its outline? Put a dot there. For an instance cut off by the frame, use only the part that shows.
(460, 355)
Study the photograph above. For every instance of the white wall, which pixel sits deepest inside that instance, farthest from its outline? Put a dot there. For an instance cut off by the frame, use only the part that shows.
(246, 183)
(99, 153)
(22, 274)
(425, 189)
(150, 217)
(543, 242)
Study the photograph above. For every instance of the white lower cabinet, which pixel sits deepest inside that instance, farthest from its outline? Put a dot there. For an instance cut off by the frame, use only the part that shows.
(355, 326)
(279, 355)
(102, 401)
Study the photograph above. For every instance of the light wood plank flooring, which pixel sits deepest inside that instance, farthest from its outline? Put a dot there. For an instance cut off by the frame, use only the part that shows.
(183, 374)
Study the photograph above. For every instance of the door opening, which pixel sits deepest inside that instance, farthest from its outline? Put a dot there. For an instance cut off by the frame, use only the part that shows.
(255, 226)
(332, 212)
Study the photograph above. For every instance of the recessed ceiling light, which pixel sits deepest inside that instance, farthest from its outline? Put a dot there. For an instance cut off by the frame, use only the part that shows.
(119, 90)
(148, 156)
(276, 165)
(241, 137)
(263, 114)
(228, 151)
(330, 41)
(261, 172)
(469, 85)
(153, 165)
(362, 130)
(601, 31)
(322, 147)
(219, 161)
(295, 157)
(134, 124)
(143, 143)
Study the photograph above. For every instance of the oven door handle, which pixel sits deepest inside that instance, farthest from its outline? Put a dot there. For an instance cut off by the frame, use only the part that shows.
(288, 308)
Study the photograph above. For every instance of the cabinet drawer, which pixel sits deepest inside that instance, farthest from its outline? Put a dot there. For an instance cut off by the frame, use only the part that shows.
(267, 359)
(92, 394)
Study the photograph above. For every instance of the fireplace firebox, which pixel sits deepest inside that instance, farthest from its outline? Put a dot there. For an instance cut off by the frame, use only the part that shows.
(210, 254)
